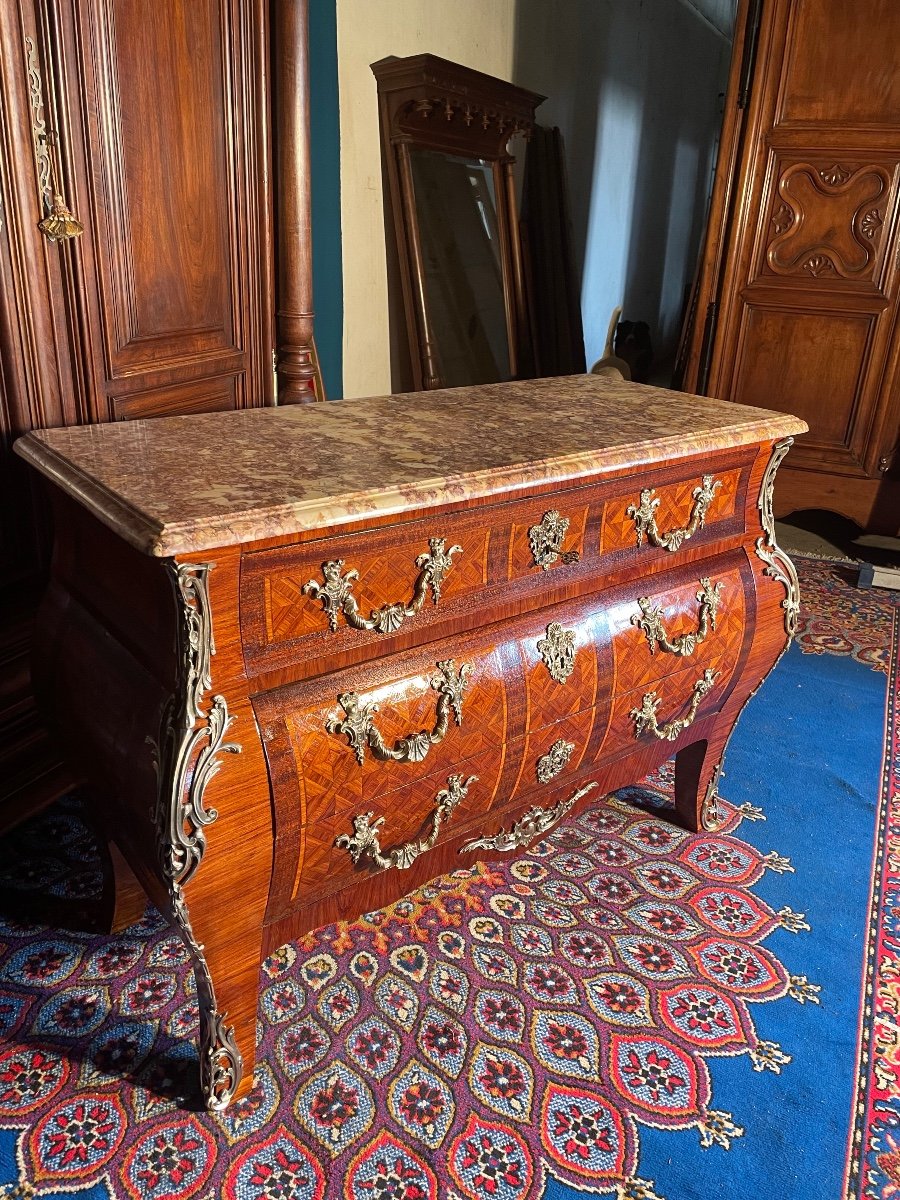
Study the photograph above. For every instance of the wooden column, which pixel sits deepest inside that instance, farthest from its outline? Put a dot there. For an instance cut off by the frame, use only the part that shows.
(294, 318)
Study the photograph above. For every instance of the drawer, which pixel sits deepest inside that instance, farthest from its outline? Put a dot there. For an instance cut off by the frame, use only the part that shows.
(667, 700)
(375, 591)
(367, 731)
(339, 849)
(694, 624)
(657, 514)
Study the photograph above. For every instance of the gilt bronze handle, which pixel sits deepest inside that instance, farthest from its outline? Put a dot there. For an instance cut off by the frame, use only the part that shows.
(645, 716)
(359, 720)
(683, 644)
(336, 594)
(644, 516)
(364, 842)
(535, 822)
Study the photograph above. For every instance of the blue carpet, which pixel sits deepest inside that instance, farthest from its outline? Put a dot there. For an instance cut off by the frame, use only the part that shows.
(808, 752)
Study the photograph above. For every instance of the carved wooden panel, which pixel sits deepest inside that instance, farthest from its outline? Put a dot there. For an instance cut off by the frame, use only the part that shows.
(171, 158)
(797, 300)
(167, 248)
(212, 395)
(827, 220)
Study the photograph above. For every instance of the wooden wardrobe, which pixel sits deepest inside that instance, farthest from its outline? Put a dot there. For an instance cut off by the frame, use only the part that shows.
(176, 132)
(798, 298)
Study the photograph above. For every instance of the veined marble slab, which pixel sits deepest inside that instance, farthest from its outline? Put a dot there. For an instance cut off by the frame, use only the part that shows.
(174, 485)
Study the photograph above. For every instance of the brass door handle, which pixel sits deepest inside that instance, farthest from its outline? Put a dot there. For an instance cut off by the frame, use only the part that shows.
(535, 822)
(645, 716)
(683, 644)
(359, 720)
(58, 223)
(364, 843)
(644, 516)
(336, 594)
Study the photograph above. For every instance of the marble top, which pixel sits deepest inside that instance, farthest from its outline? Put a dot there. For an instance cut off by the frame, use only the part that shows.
(176, 485)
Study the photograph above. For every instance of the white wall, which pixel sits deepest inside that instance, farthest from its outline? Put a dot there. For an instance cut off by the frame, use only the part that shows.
(477, 33)
(632, 84)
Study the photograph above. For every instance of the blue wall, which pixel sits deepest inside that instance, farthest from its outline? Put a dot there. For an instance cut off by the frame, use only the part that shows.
(325, 156)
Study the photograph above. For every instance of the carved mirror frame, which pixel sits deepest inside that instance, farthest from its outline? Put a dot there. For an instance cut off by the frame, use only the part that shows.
(429, 103)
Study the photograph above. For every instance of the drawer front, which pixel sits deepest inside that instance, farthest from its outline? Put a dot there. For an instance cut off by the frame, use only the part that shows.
(661, 518)
(359, 734)
(691, 626)
(391, 831)
(340, 848)
(373, 592)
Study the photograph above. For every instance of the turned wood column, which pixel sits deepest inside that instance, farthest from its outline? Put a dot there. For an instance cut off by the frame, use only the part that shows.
(294, 315)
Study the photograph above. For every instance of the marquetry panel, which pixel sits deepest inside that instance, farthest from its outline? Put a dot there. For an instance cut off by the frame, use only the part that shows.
(329, 776)
(674, 692)
(549, 699)
(636, 667)
(521, 559)
(322, 867)
(386, 575)
(674, 511)
(575, 731)
(827, 220)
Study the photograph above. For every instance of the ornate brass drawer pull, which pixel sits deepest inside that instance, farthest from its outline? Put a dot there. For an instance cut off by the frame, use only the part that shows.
(550, 764)
(535, 822)
(546, 541)
(364, 843)
(358, 724)
(645, 716)
(336, 594)
(644, 516)
(684, 644)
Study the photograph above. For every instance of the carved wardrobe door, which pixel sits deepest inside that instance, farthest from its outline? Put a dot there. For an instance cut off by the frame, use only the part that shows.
(152, 120)
(800, 278)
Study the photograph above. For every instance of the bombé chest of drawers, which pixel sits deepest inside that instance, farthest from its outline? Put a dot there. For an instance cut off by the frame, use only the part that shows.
(309, 658)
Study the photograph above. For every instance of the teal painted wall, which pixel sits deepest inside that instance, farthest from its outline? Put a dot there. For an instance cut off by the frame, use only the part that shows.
(325, 160)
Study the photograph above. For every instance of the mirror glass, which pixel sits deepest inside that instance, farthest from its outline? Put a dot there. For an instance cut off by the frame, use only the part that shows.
(456, 212)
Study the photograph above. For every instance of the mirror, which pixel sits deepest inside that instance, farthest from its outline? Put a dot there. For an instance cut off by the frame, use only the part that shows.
(445, 133)
(456, 208)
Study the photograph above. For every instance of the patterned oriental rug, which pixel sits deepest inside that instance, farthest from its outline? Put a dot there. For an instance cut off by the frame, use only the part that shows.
(623, 1009)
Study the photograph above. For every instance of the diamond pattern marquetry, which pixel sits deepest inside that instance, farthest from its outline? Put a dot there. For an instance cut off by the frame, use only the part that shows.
(636, 667)
(385, 577)
(406, 812)
(334, 782)
(674, 511)
(674, 692)
(575, 730)
(548, 700)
